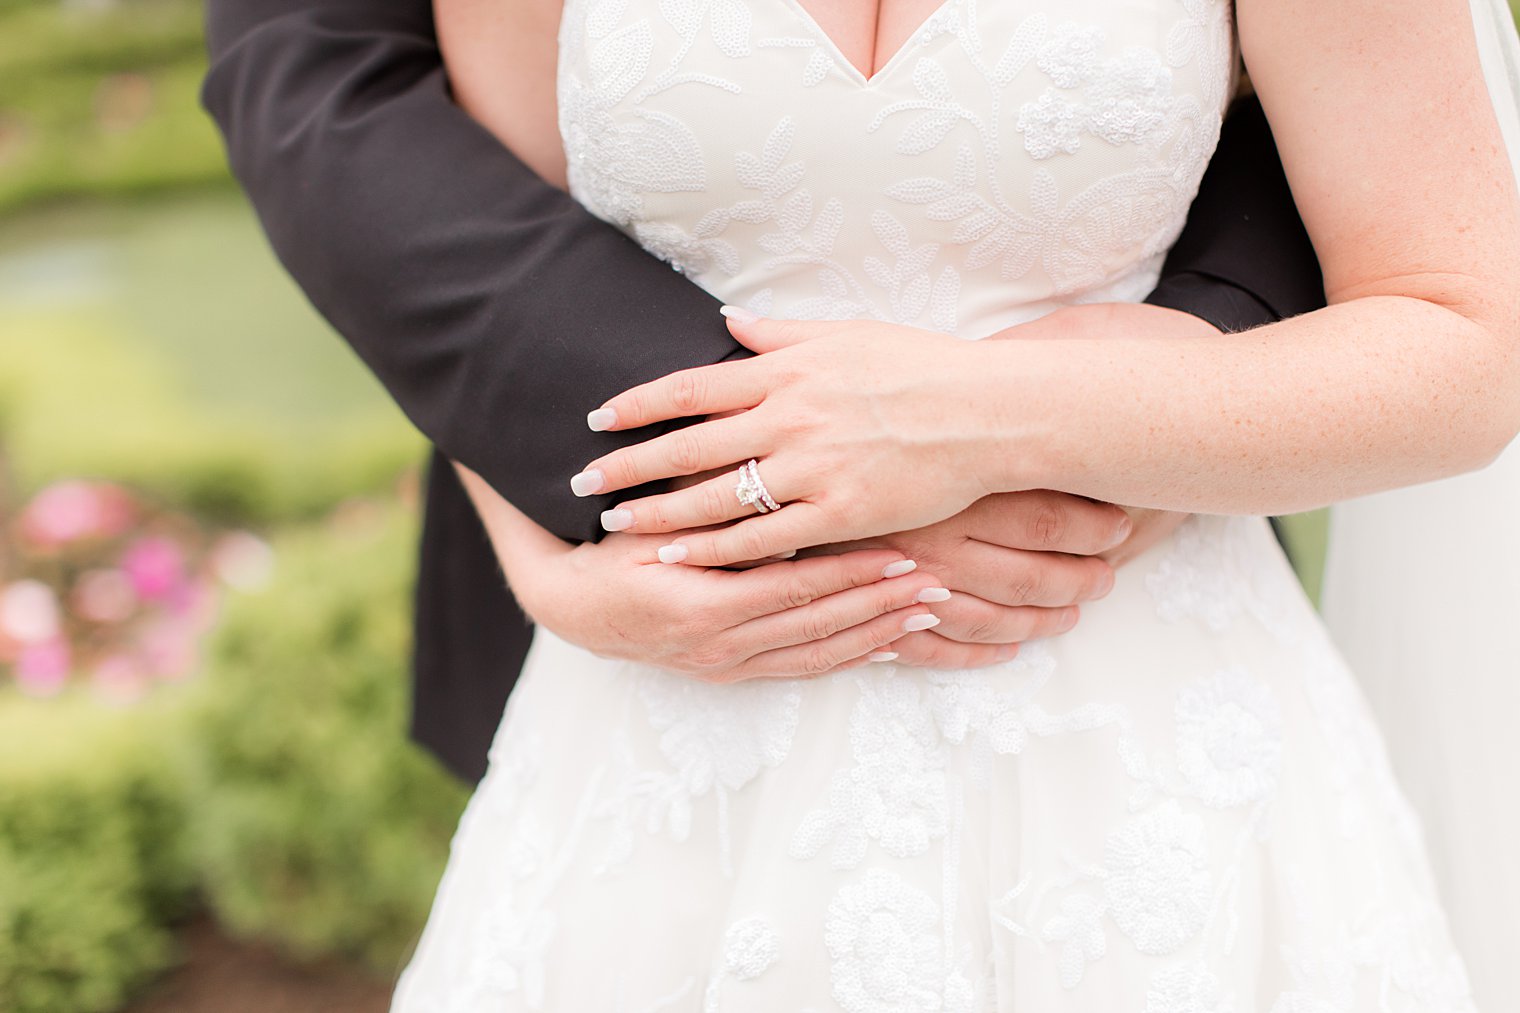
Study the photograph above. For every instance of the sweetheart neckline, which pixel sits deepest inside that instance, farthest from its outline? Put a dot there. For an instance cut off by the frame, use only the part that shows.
(856, 75)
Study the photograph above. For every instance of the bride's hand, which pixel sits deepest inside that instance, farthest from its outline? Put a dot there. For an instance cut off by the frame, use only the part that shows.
(794, 618)
(854, 423)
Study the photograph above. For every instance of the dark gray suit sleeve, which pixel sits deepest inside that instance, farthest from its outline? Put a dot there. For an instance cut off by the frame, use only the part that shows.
(1244, 259)
(494, 308)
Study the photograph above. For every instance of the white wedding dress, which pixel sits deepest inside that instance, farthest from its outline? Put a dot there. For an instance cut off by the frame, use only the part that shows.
(1180, 807)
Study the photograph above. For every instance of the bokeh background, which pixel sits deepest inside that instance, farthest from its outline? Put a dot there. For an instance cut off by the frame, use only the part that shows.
(207, 799)
(207, 513)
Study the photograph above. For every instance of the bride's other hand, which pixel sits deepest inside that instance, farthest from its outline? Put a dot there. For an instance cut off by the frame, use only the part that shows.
(795, 618)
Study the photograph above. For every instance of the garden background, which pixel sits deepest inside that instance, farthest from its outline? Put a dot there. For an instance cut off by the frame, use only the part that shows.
(207, 507)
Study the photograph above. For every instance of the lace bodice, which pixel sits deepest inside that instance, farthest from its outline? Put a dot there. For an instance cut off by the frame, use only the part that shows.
(1011, 157)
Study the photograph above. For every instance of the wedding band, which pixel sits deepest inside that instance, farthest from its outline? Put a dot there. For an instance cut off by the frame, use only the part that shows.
(751, 491)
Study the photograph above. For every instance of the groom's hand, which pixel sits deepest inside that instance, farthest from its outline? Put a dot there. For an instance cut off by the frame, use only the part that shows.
(1018, 566)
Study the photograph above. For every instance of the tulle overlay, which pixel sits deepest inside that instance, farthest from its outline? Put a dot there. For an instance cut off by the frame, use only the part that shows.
(1183, 807)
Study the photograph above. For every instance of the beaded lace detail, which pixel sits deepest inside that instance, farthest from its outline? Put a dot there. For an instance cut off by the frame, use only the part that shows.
(1052, 154)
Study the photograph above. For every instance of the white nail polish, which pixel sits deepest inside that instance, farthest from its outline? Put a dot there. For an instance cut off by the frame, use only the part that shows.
(916, 623)
(601, 420)
(929, 594)
(788, 554)
(899, 568)
(617, 520)
(882, 656)
(672, 553)
(739, 313)
(588, 482)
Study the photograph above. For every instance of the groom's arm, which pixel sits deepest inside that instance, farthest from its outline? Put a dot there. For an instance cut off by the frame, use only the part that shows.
(491, 305)
(1244, 259)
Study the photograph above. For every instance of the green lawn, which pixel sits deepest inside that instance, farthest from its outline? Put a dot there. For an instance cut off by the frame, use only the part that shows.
(159, 343)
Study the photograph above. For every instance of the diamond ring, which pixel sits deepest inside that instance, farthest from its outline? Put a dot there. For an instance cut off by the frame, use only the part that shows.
(751, 491)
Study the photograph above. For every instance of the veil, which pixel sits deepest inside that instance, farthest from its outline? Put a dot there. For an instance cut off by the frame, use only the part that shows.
(1422, 594)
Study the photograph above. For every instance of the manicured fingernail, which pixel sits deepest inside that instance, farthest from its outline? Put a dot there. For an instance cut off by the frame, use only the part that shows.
(788, 554)
(1122, 533)
(916, 623)
(1067, 621)
(899, 568)
(929, 594)
(601, 420)
(672, 553)
(617, 520)
(1006, 652)
(739, 313)
(588, 482)
(1104, 585)
(882, 656)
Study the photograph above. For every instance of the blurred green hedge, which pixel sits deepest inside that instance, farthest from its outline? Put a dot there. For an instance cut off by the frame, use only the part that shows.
(101, 99)
(92, 859)
(319, 827)
(279, 788)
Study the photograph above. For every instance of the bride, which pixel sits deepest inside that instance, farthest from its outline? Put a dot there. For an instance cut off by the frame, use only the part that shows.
(1180, 805)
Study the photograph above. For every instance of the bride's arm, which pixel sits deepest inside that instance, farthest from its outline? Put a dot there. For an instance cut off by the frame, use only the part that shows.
(1413, 373)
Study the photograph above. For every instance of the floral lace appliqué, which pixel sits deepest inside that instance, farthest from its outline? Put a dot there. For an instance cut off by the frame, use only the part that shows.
(1229, 739)
(1157, 878)
(1126, 99)
(1213, 574)
(883, 934)
(895, 794)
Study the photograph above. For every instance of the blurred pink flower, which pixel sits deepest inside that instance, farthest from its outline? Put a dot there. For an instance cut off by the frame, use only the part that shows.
(169, 648)
(194, 604)
(243, 561)
(42, 669)
(67, 511)
(104, 596)
(156, 568)
(29, 612)
(120, 678)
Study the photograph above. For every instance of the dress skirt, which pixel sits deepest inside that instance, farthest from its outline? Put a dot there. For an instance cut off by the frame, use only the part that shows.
(1181, 806)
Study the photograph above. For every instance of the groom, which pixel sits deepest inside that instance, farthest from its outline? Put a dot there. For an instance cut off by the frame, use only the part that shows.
(496, 310)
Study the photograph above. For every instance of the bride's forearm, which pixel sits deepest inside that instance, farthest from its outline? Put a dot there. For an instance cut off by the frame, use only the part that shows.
(1371, 394)
(1414, 373)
